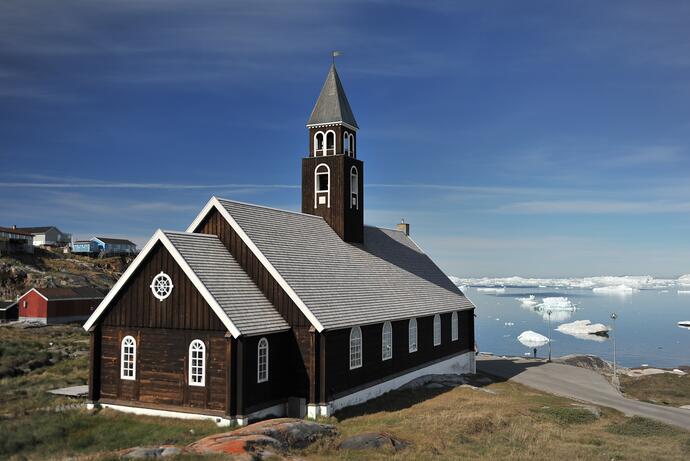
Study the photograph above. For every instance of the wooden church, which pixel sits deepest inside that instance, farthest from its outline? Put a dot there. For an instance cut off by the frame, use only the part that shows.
(256, 312)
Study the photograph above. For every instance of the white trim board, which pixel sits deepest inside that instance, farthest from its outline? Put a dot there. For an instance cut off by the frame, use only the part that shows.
(215, 202)
(160, 236)
(220, 421)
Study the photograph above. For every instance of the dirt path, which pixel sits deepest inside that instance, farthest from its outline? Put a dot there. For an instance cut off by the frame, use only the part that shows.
(579, 384)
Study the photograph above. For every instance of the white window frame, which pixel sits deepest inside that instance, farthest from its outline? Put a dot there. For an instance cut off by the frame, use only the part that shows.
(356, 358)
(354, 191)
(437, 330)
(128, 364)
(346, 143)
(386, 341)
(412, 338)
(318, 192)
(196, 378)
(319, 152)
(352, 146)
(326, 149)
(262, 351)
(454, 327)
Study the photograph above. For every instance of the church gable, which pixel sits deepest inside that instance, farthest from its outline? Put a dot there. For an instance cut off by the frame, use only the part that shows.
(184, 308)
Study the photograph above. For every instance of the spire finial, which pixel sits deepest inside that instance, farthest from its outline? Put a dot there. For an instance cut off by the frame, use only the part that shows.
(334, 54)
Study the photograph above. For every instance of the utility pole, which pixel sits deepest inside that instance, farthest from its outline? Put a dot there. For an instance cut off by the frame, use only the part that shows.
(614, 380)
(549, 313)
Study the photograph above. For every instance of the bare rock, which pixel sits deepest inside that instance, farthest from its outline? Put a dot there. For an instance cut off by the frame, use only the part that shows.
(372, 440)
(265, 439)
(150, 452)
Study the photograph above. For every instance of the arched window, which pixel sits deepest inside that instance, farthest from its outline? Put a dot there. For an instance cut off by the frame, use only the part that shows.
(355, 348)
(197, 363)
(318, 144)
(412, 335)
(454, 327)
(354, 188)
(387, 341)
(346, 143)
(352, 145)
(330, 142)
(128, 358)
(322, 180)
(437, 330)
(262, 361)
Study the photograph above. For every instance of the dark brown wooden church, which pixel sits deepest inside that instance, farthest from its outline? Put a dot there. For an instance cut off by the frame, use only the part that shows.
(256, 312)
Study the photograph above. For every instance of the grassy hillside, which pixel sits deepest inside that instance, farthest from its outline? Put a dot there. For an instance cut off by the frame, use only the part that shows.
(494, 421)
(48, 268)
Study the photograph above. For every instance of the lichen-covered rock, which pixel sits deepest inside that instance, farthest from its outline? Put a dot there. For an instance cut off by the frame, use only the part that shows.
(371, 440)
(265, 439)
(150, 452)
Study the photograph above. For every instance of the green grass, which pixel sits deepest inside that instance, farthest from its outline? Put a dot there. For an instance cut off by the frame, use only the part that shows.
(642, 427)
(566, 415)
(662, 389)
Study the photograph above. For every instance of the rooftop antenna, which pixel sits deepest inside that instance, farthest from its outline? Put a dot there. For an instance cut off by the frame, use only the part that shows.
(334, 54)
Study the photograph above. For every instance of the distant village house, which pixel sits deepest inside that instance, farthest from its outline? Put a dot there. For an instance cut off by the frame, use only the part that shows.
(8, 311)
(48, 236)
(58, 305)
(13, 241)
(104, 245)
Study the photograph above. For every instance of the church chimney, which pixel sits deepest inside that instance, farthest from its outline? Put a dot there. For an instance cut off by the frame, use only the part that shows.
(402, 226)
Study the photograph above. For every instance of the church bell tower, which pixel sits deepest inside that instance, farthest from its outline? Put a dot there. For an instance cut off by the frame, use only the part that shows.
(332, 176)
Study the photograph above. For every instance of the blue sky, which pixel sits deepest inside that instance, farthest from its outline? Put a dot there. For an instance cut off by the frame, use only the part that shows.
(518, 138)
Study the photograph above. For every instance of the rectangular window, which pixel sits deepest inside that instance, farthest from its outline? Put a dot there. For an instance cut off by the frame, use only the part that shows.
(322, 182)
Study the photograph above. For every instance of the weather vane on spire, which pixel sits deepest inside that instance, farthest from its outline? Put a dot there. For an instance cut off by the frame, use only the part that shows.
(334, 54)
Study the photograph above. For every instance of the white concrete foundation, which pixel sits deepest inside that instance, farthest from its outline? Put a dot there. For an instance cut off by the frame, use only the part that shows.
(460, 364)
(222, 422)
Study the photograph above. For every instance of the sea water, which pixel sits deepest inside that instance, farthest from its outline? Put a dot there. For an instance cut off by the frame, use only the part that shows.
(646, 329)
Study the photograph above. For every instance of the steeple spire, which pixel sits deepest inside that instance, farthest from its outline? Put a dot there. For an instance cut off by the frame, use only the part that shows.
(332, 105)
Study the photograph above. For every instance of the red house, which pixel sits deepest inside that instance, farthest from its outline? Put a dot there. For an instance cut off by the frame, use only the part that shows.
(58, 305)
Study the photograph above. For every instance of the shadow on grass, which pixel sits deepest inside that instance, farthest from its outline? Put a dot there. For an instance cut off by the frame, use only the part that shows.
(401, 399)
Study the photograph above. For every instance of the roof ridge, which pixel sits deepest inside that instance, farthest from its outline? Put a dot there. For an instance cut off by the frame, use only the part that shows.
(190, 234)
(220, 199)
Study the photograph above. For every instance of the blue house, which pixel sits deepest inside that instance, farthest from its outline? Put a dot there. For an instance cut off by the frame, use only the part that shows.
(109, 246)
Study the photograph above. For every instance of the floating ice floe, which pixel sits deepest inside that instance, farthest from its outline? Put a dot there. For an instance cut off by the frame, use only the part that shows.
(557, 303)
(492, 290)
(529, 301)
(620, 290)
(684, 292)
(509, 324)
(586, 283)
(684, 324)
(584, 329)
(530, 338)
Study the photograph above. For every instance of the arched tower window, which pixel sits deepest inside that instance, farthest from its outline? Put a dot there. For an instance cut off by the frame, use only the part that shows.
(346, 143)
(318, 144)
(128, 358)
(355, 348)
(330, 142)
(262, 361)
(454, 335)
(354, 188)
(322, 185)
(387, 341)
(412, 335)
(352, 145)
(197, 363)
(437, 330)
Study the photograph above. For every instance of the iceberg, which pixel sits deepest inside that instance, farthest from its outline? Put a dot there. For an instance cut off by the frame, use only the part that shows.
(637, 282)
(684, 323)
(528, 302)
(492, 290)
(684, 280)
(683, 292)
(557, 303)
(621, 290)
(584, 329)
(532, 339)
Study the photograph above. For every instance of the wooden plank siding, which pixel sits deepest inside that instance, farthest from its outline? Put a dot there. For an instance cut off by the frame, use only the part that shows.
(341, 380)
(347, 222)
(163, 331)
(300, 347)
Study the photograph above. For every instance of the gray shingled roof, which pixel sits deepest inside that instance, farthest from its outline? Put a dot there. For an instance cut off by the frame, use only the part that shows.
(345, 284)
(238, 296)
(332, 105)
